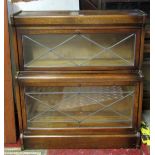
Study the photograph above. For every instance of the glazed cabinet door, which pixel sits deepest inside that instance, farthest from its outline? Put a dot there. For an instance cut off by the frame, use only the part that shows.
(79, 49)
(50, 103)
(76, 107)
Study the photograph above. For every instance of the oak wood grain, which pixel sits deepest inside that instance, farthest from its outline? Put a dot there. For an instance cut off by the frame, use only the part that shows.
(65, 22)
(88, 17)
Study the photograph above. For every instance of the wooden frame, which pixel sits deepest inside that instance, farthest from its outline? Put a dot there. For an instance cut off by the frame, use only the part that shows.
(79, 30)
(33, 138)
(89, 17)
(79, 22)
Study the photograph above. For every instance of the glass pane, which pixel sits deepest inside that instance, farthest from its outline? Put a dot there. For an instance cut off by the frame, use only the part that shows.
(101, 106)
(73, 50)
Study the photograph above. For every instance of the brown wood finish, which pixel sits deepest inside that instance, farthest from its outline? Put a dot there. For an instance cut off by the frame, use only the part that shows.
(38, 77)
(79, 18)
(82, 142)
(19, 109)
(88, 135)
(140, 105)
(142, 48)
(79, 30)
(74, 28)
(15, 47)
(76, 131)
(33, 135)
(9, 116)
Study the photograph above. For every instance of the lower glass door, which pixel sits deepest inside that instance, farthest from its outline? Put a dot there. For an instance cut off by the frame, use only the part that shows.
(84, 106)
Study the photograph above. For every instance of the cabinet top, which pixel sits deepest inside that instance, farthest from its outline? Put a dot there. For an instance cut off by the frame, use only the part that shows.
(84, 17)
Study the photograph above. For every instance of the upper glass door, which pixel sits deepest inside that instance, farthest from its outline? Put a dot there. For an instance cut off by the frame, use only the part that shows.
(79, 50)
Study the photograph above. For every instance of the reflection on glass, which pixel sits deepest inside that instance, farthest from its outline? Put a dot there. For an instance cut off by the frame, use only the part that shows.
(101, 106)
(73, 50)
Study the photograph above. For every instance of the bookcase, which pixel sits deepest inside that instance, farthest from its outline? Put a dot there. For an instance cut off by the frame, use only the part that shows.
(79, 82)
